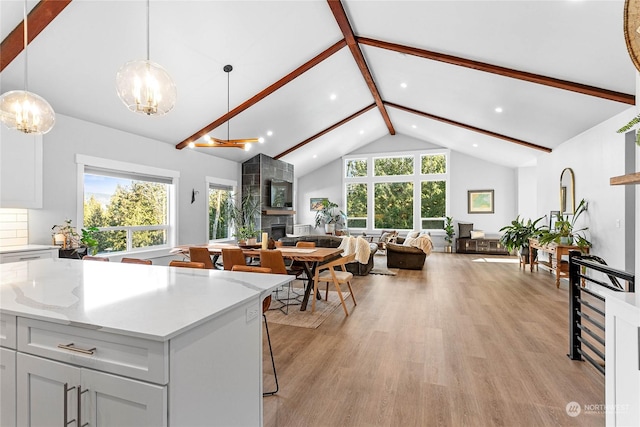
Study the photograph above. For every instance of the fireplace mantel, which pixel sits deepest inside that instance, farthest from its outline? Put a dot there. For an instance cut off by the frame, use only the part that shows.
(278, 212)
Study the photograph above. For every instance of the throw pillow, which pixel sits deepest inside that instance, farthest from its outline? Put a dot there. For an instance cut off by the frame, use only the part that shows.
(477, 234)
(464, 230)
(413, 234)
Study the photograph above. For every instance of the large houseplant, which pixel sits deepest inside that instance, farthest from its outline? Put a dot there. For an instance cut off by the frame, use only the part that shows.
(243, 215)
(517, 234)
(449, 232)
(330, 215)
(565, 231)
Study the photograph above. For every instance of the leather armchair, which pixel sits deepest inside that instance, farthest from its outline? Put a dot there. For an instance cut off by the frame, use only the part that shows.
(407, 257)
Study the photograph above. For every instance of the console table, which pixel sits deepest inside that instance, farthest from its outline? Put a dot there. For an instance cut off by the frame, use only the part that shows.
(480, 246)
(554, 262)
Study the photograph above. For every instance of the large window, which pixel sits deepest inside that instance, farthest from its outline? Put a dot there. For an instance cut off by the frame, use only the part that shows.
(221, 199)
(401, 191)
(132, 206)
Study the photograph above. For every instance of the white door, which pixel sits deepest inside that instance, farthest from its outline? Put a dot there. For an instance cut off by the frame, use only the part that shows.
(116, 401)
(41, 393)
(7, 387)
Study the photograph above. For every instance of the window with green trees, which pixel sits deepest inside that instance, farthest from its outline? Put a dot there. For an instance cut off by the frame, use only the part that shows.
(130, 212)
(408, 190)
(220, 205)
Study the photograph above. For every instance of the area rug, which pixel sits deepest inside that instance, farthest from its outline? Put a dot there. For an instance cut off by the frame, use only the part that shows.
(380, 267)
(307, 319)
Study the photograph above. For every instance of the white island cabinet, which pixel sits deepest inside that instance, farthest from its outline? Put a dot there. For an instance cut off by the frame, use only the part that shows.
(113, 344)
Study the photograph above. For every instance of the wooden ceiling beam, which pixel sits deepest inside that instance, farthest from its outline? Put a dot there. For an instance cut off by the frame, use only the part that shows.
(343, 22)
(471, 128)
(40, 16)
(264, 93)
(503, 71)
(327, 130)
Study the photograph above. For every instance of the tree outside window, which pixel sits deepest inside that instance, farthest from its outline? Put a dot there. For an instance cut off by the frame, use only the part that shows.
(393, 205)
(357, 205)
(220, 205)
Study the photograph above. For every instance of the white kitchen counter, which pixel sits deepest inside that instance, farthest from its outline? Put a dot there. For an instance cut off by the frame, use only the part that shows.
(25, 248)
(152, 302)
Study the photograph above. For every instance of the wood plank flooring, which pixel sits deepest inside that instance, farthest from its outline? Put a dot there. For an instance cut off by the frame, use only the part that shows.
(464, 342)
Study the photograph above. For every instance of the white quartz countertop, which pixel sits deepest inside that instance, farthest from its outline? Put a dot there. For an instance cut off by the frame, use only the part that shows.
(25, 248)
(152, 302)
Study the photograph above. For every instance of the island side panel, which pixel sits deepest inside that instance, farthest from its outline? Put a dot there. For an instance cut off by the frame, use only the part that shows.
(215, 370)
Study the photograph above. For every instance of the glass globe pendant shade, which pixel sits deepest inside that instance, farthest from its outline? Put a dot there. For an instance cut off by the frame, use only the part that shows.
(146, 88)
(27, 112)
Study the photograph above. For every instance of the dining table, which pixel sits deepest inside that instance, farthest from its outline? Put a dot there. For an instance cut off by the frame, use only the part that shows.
(310, 258)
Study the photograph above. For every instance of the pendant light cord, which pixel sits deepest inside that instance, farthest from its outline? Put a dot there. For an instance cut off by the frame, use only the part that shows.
(26, 43)
(148, 30)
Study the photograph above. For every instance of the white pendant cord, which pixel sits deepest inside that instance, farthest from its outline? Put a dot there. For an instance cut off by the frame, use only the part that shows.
(26, 43)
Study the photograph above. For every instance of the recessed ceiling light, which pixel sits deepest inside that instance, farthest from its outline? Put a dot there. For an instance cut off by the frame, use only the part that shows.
(269, 133)
(475, 145)
(315, 155)
(261, 140)
(414, 126)
(403, 85)
(498, 109)
(361, 132)
(333, 96)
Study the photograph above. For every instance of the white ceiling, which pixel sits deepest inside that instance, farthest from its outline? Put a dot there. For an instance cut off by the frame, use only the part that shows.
(73, 64)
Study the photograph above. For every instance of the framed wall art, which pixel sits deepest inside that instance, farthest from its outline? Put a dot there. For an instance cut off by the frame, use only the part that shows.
(316, 203)
(480, 201)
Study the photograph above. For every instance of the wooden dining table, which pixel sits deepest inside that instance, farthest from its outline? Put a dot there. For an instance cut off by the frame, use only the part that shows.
(310, 258)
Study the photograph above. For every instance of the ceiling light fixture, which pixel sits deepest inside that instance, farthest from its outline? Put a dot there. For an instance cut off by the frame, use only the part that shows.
(23, 110)
(403, 85)
(145, 87)
(498, 110)
(237, 143)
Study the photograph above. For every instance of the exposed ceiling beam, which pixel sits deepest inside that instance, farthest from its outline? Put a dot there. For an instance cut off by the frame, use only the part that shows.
(507, 72)
(264, 93)
(471, 128)
(327, 130)
(38, 19)
(343, 22)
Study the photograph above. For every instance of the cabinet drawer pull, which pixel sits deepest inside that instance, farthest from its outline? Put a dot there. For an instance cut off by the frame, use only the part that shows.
(71, 347)
(27, 258)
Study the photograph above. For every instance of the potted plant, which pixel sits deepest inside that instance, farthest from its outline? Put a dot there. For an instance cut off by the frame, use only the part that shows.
(565, 231)
(517, 234)
(75, 245)
(88, 239)
(330, 215)
(243, 215)
(449, 233)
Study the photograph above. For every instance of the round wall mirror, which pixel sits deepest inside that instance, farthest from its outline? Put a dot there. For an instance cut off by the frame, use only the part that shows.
(567, 193)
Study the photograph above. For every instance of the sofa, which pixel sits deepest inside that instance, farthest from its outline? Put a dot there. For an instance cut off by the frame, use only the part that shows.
(325, 241)
(402, 255)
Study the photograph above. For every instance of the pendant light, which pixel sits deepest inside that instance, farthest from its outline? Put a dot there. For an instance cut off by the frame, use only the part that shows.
(145, 87)
(23, 110)
(217, 143)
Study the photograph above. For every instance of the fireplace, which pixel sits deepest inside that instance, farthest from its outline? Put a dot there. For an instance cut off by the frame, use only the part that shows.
(278, 231)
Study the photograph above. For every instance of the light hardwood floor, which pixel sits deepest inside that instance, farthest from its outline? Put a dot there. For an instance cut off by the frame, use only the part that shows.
(462, 342)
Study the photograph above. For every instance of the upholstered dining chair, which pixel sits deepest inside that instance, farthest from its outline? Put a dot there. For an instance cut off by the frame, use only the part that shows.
(231, 257)
(274, 260)
(136, 261)
(330, 274)
(197, 254)
(265, 306)
(94, 258)
(187, 264)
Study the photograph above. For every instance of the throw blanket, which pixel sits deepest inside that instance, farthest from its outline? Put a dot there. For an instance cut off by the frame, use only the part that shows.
(357, 245)
(423, 242)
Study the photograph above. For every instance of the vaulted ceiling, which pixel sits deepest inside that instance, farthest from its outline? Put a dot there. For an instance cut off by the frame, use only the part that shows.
(328, 77)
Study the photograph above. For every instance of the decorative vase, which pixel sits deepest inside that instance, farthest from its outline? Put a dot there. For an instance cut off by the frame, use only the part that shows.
(252, 241)
(330, 228)
(566, 240)
(448, 248)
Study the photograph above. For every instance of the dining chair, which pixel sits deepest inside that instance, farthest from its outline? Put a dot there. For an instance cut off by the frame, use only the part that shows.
(274, 260)
(136, 261)
(197, 254)
(189, 264)
(265, 306)
(232, 257)
(330, 274)
(94, 258)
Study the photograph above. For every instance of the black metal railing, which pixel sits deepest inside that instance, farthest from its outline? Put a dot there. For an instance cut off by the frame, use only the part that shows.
(587, 340)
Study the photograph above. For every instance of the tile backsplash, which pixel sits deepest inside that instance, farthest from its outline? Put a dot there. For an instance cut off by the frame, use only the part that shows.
(14, 227)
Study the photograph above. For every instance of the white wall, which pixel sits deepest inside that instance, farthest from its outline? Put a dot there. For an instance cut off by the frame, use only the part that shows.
(71, 136)
(527, 190)
(595, 156)
(325, 182)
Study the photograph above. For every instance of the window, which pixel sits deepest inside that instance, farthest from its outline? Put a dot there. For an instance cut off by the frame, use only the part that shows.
(221, 199)
(131, 205)
(401, 191)
(357, 205)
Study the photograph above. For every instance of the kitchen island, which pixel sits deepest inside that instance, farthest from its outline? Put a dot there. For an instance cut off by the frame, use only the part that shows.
(126, 344)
